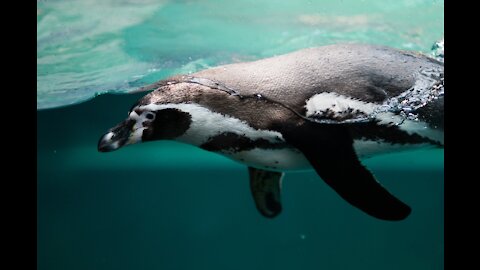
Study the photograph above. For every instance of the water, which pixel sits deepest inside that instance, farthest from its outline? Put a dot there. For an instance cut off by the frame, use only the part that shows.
(165, 205)
(86, 46)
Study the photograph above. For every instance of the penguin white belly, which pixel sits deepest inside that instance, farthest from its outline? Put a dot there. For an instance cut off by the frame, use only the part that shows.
(284, 159)
(369, 148)
(290, 159)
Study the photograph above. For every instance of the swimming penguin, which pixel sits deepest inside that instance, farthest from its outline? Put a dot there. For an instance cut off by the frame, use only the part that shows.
(319, 108)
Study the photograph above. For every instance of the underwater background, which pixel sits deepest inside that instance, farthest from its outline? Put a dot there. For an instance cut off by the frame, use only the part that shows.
(166, 205)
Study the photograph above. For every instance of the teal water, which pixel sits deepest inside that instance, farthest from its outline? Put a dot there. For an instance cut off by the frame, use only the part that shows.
(166, 205)
(86, 47)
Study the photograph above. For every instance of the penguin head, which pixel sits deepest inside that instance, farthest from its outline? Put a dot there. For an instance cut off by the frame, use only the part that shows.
(146, 122)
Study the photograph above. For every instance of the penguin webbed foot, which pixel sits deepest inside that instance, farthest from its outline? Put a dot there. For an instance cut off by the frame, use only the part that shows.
(265, 187)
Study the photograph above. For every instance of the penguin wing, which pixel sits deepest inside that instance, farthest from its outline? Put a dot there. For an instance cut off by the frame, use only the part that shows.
(330, 151)
(265, 187)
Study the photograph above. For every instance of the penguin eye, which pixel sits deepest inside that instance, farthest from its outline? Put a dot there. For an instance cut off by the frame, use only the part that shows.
(150, 116)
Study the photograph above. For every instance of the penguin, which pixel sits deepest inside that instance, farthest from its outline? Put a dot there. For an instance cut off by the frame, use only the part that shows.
(322, 108)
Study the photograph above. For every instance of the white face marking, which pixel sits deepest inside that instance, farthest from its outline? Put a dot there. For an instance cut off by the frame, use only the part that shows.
(115, 145)
(206, 124)
(138, 128)
(139, 119)
(336, 103)
(108, 136)
(135, 136)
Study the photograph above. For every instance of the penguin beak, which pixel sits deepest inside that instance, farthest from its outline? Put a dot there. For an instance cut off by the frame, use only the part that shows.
(116, 137)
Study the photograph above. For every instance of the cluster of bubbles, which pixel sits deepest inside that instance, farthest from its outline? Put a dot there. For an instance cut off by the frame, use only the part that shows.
(428, 87)
(438, 50)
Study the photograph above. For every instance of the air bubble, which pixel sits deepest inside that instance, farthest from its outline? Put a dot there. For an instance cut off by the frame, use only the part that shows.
(428, 87)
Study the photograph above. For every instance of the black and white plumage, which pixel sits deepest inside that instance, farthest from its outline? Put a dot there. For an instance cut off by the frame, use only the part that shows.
(320, 108)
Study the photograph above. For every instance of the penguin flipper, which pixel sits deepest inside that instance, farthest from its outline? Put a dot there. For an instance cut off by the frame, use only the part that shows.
(330, 151)
(265, 187)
